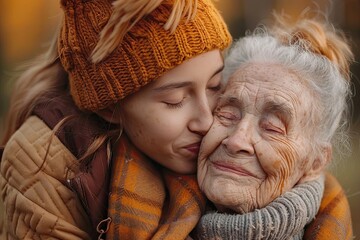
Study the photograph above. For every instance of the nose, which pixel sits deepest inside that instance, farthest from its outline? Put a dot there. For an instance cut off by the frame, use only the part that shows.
(240, 139)
(202, 118)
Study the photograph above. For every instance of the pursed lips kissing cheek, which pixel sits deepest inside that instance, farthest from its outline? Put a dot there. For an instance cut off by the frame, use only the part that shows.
(193, 148)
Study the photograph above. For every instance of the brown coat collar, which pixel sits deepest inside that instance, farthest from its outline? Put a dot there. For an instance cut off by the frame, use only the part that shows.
(91, 183)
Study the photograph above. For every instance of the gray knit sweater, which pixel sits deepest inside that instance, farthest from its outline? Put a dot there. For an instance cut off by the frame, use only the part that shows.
(284, 218)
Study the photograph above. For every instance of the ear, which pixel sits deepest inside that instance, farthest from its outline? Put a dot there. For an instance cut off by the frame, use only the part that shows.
(319, 163)
(111, 114)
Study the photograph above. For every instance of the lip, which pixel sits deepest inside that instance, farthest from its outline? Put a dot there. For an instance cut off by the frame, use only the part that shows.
(227, 167)
(193, 148)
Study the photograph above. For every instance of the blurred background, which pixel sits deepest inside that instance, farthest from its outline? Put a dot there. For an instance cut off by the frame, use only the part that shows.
(26, 28)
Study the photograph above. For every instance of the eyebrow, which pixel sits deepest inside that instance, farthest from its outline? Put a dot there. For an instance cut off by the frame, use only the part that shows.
(270, 106)
(182, 84)
(282, 108)
(226, 99)
(172, 86)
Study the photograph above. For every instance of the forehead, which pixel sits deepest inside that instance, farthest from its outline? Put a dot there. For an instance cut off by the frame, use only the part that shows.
(261, 83)
(267, 78)
(266, 73)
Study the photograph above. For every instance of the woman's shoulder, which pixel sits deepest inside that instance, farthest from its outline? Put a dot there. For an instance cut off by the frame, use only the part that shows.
(47, 146)
(30, 147)
(73, 127)
(77, 135)
(32, 177)
(46, 136)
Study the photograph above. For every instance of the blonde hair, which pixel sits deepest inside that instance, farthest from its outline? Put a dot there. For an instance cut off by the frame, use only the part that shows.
(45, 77)
(318, 37)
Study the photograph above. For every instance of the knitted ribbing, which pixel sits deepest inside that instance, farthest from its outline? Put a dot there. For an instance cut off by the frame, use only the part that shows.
(284, 218)
(146, 52)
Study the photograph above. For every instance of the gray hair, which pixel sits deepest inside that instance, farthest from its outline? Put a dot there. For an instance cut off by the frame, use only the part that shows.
(329, 86)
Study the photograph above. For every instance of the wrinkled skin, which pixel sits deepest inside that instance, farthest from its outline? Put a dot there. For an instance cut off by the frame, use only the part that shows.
(168, 118)
(259, 144)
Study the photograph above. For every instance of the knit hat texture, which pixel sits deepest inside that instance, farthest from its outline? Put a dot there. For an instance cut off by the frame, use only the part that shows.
(145, 53)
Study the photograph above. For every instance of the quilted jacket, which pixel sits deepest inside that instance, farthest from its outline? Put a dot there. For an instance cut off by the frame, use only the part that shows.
(46, 192)
(39, 205)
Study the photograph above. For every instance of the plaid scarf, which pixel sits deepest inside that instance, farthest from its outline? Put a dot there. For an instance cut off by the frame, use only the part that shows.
(333, 220)
(149, 202)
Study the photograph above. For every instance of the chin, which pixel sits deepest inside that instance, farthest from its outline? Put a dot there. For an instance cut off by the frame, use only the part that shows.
(216, 192)
(226, 199)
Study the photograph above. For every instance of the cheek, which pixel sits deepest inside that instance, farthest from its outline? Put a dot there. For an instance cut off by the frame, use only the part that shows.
(139, 135)
(212, 140)
(276, 156)
(153, 124)
(213, 99)
(280, 160)
(209, 144)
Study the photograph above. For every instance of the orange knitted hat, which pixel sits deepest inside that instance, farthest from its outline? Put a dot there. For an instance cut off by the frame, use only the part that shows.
(112, 48)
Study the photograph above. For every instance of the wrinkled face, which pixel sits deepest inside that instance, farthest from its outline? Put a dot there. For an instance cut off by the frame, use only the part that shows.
(258, 146)
(168, 118)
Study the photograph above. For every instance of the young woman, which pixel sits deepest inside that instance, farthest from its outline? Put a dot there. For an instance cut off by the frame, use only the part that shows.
(102, 129)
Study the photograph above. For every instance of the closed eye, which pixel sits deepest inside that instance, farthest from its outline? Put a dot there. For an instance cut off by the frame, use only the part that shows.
(228, 114)
(273, 126)
(175, 105)
(216, 88)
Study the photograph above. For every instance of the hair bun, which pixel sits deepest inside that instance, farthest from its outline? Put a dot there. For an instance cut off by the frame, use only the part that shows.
(319, 38)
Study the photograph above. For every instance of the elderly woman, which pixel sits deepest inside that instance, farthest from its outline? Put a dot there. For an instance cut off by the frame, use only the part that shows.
(282, 111)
